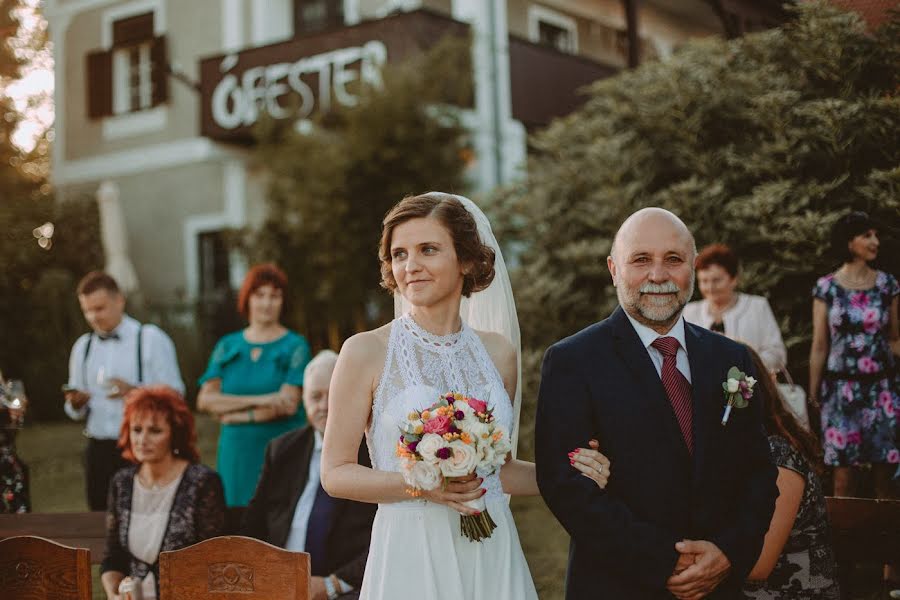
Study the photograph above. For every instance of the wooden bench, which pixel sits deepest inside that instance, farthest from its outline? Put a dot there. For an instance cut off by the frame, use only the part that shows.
(81, 529)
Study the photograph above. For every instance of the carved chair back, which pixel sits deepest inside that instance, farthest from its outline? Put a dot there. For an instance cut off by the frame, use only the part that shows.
(233, 564)
(35, 568)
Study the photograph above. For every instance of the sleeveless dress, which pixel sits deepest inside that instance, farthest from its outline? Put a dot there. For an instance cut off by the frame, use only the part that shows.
(417, 549)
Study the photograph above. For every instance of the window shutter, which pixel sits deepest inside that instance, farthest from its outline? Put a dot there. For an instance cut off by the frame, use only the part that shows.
(99, 84)
(159, 73)
(133, 30)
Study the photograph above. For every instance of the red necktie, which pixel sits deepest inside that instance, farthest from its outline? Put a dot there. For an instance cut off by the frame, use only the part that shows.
(678, 389)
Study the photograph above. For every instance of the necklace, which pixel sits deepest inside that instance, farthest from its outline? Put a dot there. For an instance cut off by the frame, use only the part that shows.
(865, 280)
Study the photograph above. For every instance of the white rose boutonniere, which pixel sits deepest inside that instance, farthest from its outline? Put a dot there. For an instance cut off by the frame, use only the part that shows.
(738, 387)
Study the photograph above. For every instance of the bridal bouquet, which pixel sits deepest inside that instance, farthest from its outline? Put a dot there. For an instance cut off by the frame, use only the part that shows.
(453, 437)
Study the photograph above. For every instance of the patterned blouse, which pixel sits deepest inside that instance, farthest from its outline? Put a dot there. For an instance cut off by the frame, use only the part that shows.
(198, 513)
(806, 568)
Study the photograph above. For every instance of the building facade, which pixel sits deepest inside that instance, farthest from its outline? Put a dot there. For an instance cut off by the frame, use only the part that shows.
(155, 96)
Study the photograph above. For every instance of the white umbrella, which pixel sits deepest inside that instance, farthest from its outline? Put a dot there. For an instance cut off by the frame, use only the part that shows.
(115, 238)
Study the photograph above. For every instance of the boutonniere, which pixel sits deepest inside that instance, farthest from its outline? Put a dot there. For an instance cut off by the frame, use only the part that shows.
(738, 391)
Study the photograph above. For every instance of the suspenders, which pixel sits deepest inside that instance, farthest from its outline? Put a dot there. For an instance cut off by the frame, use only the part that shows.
(140, 360)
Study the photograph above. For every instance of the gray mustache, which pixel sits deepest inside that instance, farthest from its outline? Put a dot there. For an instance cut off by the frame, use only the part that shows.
(659, 288)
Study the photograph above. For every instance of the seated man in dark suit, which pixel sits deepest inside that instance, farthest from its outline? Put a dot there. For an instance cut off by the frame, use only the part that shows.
(291, 510)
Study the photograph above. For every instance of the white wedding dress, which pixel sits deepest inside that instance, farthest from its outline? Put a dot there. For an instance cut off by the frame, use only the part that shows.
(417, 549)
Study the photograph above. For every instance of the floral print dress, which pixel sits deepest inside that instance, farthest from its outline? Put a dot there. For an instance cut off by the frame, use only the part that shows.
(13, 474)
(860, 402)
(806, 569)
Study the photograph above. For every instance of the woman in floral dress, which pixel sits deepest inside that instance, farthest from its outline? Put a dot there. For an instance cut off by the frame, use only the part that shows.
(852, 364)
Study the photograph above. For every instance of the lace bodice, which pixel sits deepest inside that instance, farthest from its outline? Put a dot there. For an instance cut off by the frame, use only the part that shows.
(418, 368)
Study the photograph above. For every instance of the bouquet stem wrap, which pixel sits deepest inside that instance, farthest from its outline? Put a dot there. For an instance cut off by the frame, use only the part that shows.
(480, 526)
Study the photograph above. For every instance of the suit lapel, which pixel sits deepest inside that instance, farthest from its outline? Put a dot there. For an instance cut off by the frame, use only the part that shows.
(705, 390)
(636, 359)
(294, 478)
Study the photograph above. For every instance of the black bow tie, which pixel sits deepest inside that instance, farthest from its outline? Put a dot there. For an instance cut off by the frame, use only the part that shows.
(108, 336)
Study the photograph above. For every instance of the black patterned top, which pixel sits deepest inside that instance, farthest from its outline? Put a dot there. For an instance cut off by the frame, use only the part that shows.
(198, 513)
(806, 568)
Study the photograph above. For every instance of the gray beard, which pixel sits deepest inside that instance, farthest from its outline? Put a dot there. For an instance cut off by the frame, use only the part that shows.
(632, 305)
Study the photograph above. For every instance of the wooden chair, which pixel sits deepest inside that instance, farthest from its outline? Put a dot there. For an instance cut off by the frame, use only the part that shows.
(237, 565)
(34, 568)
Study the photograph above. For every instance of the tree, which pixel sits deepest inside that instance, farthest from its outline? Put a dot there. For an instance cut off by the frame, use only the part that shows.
(760, 142)
(332, 183)
(39, 316)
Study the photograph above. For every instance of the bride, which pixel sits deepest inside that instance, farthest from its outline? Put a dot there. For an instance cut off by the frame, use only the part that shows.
(456, 331)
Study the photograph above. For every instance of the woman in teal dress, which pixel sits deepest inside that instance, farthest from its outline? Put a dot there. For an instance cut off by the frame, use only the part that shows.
(253, 383)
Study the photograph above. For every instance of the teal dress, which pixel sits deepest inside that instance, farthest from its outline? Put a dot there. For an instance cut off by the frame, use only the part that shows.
(242, 446)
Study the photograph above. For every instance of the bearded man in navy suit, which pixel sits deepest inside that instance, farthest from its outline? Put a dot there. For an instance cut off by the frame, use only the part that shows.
(688, 505)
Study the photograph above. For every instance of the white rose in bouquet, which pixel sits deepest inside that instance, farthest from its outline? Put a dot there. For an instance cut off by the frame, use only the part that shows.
(502, 447)
(423, 475)
(462, 460)
(429, 445)
(479, 431)
(486, 458)
(464, 407)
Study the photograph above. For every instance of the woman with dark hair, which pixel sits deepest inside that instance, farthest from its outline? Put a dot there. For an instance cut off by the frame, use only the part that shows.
(456, 331)
(167, 500)
(852, 366)
(797, 561)
(739, 316)
(253, 382)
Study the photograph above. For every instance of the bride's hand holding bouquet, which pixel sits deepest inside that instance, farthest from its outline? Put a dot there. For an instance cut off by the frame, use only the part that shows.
(447, 449)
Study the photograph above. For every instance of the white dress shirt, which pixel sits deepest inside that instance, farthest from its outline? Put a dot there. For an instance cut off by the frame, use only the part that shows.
(118, 358)
(648, 336)
(296, 541)
(750, 321)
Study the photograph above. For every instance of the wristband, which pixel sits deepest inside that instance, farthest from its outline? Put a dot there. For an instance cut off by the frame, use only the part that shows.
(329, 589)
(250, 414)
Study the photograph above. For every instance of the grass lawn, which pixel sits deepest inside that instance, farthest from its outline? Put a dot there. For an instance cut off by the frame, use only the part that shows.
(53, 453)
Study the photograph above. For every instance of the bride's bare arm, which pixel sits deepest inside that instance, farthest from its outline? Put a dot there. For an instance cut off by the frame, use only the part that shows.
(349, 408)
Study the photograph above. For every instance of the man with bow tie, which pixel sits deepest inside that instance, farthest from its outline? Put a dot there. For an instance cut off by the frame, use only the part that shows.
(118, 355)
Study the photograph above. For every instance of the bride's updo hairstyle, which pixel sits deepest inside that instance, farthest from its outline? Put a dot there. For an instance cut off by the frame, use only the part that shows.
(470, 251)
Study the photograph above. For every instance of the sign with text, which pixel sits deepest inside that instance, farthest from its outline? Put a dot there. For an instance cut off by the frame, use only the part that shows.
(310, 74)
(237, 101)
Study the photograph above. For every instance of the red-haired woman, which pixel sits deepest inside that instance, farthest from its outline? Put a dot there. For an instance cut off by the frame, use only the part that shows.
(253, 383)
(167, 500)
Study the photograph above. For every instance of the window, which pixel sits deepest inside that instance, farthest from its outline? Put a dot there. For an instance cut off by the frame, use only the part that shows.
(131, 76)
(133, 86)
(556, 37)
(214, 264)
(316, 15)
(554, 29)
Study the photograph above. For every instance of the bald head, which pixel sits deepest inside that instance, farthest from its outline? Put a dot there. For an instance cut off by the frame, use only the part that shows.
(652, 266)
(651, 221)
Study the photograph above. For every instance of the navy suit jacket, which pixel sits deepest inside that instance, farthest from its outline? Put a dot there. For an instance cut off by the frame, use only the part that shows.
(602, 383)
(271, 511)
